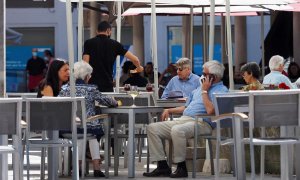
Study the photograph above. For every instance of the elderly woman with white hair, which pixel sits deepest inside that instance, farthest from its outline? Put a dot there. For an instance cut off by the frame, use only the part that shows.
(275, 77)
(82, 73)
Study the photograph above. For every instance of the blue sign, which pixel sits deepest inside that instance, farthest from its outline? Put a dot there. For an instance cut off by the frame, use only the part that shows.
(198, 59)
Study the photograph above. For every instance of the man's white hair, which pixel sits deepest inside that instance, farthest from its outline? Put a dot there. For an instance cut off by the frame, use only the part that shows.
(275, 62)
(183, 62)
(214, 67)
(82, 69)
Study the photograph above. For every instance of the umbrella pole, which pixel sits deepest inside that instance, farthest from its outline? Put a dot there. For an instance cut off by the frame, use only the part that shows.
(262, 37)
(211, 30)
(154, 47)
(119, 40)
(229, 45)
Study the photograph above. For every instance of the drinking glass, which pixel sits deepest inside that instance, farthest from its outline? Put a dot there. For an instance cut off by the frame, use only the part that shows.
(133, 93)
(127, 87)
(149, 87)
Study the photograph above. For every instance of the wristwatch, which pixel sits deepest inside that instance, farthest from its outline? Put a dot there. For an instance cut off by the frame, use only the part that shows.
(203, 92)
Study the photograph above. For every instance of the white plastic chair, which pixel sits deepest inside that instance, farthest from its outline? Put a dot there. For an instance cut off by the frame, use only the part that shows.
(10, 119)
(224, 104)
(52, 114)
(274, 108)
(144, 99)
(81, 121)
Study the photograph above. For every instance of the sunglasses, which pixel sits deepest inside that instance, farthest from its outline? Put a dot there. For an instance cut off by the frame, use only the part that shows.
(181, 69)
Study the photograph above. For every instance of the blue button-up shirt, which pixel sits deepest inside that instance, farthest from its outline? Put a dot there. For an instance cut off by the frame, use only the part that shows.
(275, 77)
(195, 106)
(185, 86)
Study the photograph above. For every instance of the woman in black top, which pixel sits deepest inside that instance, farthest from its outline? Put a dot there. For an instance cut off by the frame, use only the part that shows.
(57, 75)
(135, 79)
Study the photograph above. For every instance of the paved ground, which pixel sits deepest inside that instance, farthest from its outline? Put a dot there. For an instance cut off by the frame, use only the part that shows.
(140, 168)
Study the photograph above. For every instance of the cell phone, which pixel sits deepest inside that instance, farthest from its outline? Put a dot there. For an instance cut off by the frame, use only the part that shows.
(212, 77)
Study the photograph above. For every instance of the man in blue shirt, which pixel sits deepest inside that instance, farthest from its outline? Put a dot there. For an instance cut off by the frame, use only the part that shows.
(185, 81)
(181, 129)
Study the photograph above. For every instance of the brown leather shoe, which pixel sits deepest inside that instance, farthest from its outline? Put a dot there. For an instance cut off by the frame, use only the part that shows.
(158, 172)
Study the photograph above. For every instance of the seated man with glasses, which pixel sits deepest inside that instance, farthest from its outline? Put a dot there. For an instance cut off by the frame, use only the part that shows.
(184, 82)
(182, 128)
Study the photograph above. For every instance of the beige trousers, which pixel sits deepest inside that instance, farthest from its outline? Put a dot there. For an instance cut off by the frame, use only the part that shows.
(178, 130)
(94, 148)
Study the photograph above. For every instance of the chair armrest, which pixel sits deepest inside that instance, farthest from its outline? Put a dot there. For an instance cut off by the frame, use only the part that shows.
(242, 116)
(205, 115)
(220, 117)
(96, 117)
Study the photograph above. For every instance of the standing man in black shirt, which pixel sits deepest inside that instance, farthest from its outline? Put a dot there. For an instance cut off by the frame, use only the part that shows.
(36, 68)
(101, 53)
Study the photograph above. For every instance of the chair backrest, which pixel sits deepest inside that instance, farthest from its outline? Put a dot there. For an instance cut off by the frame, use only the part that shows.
(141, 100)
(50, 113)
(81, 109)
(10, 116)
(22, 95)
(225, 103)
(274, 108)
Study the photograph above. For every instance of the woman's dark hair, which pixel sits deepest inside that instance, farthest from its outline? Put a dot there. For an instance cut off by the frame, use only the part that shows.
(290, 73)
(126, 66)
(251, 68)
(52, 78)
(48, 53)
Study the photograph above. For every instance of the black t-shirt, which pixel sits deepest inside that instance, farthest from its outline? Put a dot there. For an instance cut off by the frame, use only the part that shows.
(103, 52)
(35, 66)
